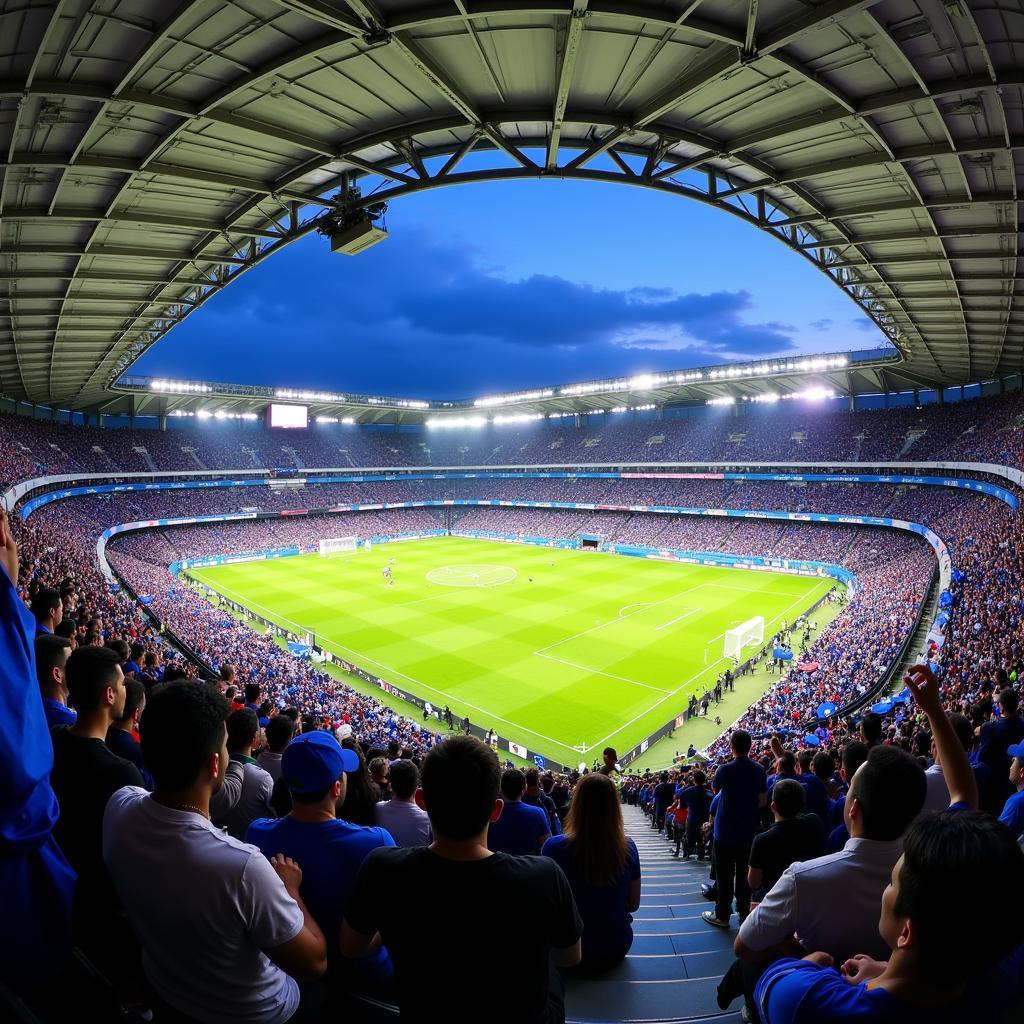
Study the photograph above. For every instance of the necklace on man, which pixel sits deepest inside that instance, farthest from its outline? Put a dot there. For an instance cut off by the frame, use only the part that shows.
(191, 807)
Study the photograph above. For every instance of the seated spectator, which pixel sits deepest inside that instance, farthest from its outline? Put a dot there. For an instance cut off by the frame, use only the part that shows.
(51, 659)
(795, 836)
(403, 818)
(462, 888)
(951, 956)
(121, 736)
(278, 732)
(603, 868)
(520, 829)
(224, 931)
(831, 902)
(329, 851)
(257, 785)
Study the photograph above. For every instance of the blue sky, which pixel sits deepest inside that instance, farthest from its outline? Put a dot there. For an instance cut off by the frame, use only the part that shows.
(513, 285)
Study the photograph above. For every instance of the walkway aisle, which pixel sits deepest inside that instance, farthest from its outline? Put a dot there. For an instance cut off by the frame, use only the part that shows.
(673, 969)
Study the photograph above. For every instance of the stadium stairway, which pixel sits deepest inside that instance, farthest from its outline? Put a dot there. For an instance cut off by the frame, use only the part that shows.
(672, 971)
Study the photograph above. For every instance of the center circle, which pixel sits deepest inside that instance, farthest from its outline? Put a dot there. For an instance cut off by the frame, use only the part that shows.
(472, 575)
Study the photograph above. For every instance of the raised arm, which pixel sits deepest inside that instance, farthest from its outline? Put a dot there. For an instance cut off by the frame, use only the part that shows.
(956, 768)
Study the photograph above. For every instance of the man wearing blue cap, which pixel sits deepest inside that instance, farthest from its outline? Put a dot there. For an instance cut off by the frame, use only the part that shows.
(1013, 810)
(328, 850)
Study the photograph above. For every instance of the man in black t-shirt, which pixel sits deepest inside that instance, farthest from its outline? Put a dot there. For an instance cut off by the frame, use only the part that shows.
(86, 773)
(794, 837)
(403, 898)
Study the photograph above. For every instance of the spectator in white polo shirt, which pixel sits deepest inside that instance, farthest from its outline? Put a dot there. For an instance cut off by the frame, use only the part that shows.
(831, 904)
(407, 822)
(224, 931)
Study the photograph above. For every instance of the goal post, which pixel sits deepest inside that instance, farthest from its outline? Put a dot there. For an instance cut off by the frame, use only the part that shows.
(748, 634)
(337, 545)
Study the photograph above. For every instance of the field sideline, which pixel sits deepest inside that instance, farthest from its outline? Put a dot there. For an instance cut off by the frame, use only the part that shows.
(597, 650)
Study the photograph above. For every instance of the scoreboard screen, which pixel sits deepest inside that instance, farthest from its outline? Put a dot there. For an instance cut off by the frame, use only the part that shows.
(287, 416)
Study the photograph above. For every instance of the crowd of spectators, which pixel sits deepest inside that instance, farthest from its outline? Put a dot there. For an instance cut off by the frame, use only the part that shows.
(115, 820)
(987, 430)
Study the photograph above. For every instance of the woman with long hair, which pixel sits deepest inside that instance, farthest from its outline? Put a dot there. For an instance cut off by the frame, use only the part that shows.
(603, 868)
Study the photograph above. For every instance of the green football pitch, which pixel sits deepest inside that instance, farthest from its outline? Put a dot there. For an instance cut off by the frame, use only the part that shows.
(565, 652)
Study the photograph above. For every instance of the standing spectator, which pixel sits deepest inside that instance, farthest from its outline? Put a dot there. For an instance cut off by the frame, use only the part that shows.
(535, 796)
(328, 850)
(696, 798)
(46, 606)
(742, 786)
(520, 829)
(397, 890)
(815, 783)
(278, 732)
(403, 818)
(257, 785)
(51, 660)
(221, 927)
(603, 868)
(996, 738)
(361, 794)
(121, 736)
(35, 878)
(664, 792)
(1013, 810)
(610, 764)
(86, 773)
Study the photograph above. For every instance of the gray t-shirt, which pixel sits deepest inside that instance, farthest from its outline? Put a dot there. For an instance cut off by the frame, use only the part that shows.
(204, 906)
(407, 823)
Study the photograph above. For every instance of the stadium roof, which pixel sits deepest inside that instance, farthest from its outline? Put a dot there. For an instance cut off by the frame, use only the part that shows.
(152, 150)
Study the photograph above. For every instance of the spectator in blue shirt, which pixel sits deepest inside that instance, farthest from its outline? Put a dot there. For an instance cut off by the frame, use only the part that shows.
(329, 850)
(521, 828)
(996, 738)
(943, 937)
(46, 606)
(696, 798)
(742, 786)
(815, 785)
(122, 731)
(51, 658)
(1013, 810)
(35, 878)
(603, 868)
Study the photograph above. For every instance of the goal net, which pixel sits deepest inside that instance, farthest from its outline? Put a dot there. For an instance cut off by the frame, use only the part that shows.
(336, 545)
(749, 634)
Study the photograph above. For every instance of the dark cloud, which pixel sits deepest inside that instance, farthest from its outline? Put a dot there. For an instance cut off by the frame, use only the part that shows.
(822, 325)
(430, 318)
